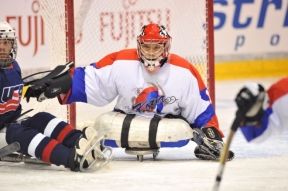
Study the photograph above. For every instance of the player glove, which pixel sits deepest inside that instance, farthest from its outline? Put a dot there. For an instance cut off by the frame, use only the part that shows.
(250, 101)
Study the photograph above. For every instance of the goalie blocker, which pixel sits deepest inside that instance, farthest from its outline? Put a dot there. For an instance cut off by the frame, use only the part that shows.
(57, 81)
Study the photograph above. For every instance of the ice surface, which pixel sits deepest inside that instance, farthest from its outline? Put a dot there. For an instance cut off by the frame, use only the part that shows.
(261, 166)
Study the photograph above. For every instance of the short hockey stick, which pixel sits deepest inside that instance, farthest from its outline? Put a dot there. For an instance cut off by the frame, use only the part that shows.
(16, 157)
(225, 150)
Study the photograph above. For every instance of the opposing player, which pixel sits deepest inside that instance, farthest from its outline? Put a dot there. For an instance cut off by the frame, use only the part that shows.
(149, 81)
(263, 117)
(43, 135)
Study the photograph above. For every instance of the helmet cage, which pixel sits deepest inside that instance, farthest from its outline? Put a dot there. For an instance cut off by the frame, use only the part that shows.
(8, 33)
(153, 45)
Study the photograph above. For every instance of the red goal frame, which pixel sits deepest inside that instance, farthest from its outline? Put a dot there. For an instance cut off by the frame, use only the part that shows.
(70, 50)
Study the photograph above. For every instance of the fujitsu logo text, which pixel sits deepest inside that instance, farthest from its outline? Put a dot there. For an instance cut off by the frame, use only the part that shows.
(29, 29)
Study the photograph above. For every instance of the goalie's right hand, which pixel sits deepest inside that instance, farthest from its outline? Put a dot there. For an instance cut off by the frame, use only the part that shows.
(34, 91)
(49, 88)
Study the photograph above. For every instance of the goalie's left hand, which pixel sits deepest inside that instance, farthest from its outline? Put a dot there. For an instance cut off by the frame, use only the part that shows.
(210, 144)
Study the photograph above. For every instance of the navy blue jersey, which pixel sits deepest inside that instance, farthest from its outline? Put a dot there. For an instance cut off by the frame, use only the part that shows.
(11, 85)
(47, 138)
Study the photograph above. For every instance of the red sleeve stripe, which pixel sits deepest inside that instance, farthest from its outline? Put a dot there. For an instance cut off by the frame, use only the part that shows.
(48, 150)
(278, 90)
(63, 133)
(127, 54)
(62, 98)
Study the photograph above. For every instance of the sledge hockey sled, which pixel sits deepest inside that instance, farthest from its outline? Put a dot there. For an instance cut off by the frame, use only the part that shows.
(140, 152)
(9, 153)
(141, 135)
(17, 157)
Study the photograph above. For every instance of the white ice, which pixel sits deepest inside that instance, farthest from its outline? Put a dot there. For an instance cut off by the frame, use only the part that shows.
(256, 167)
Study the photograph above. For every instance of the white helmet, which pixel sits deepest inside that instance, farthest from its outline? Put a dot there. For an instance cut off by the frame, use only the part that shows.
(8, 33)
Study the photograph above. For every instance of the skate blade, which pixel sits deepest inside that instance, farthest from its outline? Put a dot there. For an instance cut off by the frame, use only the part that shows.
(141, 152)
(102, 157)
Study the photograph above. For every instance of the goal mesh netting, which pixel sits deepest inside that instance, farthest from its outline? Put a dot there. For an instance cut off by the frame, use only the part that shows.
(105, 26)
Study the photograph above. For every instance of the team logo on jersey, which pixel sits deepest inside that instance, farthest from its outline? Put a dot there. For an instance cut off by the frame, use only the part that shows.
(149, 99)
(10, 98)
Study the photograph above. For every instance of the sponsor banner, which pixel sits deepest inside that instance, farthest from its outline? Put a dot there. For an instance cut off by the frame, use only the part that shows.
(105, 27)
(250, 27)
(247, 27)
(23, 15)
(114, 25)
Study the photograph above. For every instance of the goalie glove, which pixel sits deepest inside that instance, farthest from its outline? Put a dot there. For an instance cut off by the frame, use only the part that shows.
(209, 144)
(49, 87)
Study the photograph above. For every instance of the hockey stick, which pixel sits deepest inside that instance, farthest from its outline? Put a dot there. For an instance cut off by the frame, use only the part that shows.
(225, 150)
(15, 158)
(7, 154)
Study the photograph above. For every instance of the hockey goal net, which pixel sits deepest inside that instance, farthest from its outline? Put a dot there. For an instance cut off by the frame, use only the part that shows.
(105, 26)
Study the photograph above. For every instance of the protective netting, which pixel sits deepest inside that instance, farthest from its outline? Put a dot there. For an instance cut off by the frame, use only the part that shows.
(105, 26)
(53, 14)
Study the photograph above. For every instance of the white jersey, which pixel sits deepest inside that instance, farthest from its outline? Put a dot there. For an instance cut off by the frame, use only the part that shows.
(176, 88)
(275, 118)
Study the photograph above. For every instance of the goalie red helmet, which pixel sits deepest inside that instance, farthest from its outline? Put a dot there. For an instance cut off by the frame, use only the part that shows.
(153, 45)
(8, 44)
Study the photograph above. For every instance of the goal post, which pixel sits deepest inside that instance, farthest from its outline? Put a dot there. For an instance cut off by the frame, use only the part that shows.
(58, 17)
(70, 52)
(86, 30)
(210, 50)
